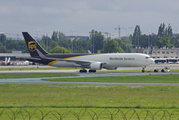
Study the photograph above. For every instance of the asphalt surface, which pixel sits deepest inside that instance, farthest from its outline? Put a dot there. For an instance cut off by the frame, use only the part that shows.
(75, 71)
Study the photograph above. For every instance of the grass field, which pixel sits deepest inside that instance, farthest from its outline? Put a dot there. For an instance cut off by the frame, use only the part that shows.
(101, 100)
(71, 100)
(88, 114)
(89, 96)
(7, 76)
(171, 78)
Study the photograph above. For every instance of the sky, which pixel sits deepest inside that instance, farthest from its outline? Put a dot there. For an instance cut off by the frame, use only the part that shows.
(79, 17)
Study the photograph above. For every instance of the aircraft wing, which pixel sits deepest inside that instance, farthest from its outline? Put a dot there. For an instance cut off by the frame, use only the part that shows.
(79, 62)
(30, 58)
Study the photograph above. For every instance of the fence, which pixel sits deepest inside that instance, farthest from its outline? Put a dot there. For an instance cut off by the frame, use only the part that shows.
(88, 114)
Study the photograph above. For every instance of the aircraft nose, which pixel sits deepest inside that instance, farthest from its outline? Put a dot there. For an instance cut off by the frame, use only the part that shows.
(152, 61)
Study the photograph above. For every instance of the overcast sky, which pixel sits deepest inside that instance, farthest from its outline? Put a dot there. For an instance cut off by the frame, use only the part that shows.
(82, 16)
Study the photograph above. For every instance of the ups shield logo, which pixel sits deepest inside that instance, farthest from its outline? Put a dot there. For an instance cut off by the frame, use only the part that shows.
(32, 46)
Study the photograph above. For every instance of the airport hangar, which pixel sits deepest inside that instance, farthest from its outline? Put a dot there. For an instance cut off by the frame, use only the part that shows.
(13, 55)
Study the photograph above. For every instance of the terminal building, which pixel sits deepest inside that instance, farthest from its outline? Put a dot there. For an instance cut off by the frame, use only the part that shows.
(163, 55)
(158, 53)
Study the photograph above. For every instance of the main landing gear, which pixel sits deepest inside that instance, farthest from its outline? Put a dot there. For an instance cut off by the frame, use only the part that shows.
(85, 71)
(92, 71)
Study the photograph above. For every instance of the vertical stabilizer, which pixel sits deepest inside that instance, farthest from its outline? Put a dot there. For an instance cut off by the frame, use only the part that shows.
(33, 46)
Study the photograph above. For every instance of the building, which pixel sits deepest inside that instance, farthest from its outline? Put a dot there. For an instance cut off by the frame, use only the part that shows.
(13, 56)
(158, 53)
(78, 37)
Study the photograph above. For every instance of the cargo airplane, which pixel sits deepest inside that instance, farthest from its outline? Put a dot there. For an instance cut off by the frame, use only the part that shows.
(93, 62)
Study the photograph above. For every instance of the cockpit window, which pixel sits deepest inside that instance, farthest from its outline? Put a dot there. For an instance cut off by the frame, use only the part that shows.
(147, 57)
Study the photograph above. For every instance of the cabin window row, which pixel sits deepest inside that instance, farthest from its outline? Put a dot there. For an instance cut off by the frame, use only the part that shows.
(163, 52)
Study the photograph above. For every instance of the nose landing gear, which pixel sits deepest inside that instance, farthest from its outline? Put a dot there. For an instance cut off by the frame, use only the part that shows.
(143, 69)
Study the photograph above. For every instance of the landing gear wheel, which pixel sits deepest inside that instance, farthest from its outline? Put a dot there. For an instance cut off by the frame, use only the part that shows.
(83, 71)
(143, 69)
(92, 71)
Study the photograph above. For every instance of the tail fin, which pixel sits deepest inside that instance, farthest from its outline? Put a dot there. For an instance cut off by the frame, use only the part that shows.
(34, 47)
(151, 49)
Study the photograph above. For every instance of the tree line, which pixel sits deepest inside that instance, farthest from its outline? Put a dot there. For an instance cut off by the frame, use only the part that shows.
(96, 42)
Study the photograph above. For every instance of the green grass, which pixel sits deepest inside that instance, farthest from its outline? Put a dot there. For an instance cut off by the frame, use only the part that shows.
(71, 101)
(171, 78)
(50, 96)
(6, 76)
(98, 99)
(89, 114)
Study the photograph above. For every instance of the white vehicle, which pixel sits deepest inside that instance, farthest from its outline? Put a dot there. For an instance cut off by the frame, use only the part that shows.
(85, 60)
(165, 69)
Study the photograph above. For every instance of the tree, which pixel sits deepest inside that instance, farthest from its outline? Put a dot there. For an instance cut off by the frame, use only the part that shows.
(59, 49)
(162, 31)
(169, 30)
(3, 39)
(47, 42)
(64, 41)
(177, 41)
(43, 45)
(79, 45)
(21, 45)
(136, 35)
(53, 44)
(96, 40)
(55, 36)
(111, 46)
(164, 41)
(2, 50)
(11, 45)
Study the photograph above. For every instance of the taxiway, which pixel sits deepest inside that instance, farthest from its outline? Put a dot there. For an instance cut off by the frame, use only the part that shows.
(75, 71)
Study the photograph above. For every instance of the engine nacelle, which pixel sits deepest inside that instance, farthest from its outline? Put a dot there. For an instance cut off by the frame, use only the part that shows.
(96, 66)
(111, 68)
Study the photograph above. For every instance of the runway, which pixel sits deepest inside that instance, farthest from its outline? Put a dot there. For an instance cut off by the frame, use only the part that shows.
(75, 71)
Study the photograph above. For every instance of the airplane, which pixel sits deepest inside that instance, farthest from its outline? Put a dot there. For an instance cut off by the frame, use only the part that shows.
(6, 62)
(21, 63)
(93, 62)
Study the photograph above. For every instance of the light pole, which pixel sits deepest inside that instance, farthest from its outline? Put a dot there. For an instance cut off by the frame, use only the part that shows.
(72, 38)
(149, 39)
(72, 43)
(2, 37)
(72, 32)
(92, 41)
(37, 33)
(47, 40)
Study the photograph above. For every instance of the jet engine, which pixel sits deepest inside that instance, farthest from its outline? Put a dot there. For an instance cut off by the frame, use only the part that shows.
(96, 66)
